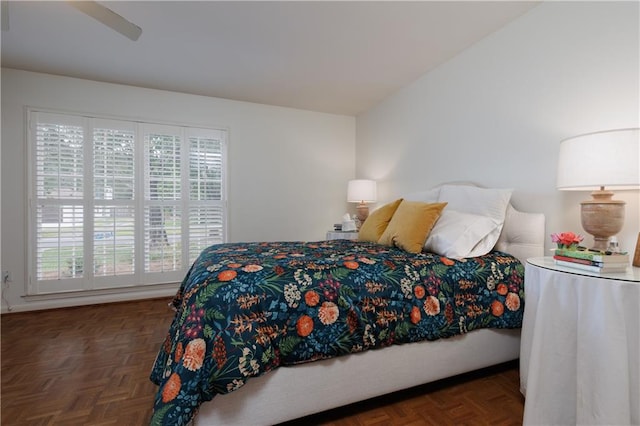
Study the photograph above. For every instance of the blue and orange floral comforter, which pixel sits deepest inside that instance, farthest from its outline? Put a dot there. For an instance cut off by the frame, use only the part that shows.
(245, 309)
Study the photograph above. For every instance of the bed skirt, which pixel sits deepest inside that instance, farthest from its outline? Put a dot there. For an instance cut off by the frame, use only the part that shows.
(292, 392)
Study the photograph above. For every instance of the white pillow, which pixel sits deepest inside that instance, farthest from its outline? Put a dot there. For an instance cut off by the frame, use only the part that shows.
(472, 237)
(458, 235)
(471, 199)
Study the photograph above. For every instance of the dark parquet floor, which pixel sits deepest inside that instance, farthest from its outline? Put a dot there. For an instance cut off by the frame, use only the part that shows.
(90, 366)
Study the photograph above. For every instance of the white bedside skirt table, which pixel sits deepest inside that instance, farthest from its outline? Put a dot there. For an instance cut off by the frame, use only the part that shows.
(580, 346)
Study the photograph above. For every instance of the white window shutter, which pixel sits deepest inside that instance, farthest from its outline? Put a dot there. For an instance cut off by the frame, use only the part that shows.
(149, 196)
(59, 189)
(114, 187)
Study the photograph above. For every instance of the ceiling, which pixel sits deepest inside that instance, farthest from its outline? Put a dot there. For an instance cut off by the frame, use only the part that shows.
(338, 57)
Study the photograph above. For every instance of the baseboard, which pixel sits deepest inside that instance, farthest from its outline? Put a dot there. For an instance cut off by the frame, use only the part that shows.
(77, 299)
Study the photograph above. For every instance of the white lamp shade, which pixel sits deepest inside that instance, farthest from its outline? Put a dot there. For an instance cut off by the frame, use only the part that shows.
(608, 159)
(362, 191)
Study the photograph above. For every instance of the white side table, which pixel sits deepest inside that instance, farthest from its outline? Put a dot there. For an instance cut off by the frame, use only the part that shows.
(580, 346)
(342, 235)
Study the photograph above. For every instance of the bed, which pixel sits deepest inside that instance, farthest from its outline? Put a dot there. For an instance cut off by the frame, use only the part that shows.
(280, 330)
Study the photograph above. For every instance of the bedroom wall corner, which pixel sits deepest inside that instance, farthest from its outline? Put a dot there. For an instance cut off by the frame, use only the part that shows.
(495, 114)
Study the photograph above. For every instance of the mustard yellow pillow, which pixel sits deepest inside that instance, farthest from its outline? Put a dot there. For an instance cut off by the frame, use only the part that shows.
(373, 228)
(410, 225)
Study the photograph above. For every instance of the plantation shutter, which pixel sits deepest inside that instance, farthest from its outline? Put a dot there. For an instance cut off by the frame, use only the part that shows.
(114, 144)
(162, 198)
(118, 203)
(59, 191)
(206, 186)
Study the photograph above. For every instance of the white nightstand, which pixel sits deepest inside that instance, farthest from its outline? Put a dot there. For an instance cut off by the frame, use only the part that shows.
(580, 345)
(342, 235)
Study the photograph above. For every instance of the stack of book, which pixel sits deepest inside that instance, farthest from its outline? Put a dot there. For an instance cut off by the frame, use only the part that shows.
(591, 260)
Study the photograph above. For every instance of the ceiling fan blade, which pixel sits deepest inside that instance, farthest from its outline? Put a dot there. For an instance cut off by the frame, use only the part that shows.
(4, 10)
(108, 17)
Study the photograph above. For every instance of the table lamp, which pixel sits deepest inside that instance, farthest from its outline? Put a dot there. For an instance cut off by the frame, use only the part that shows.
(601, 161)
(362, 191)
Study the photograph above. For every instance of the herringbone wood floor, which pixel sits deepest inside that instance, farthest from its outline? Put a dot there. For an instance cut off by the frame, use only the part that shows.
(90, 366)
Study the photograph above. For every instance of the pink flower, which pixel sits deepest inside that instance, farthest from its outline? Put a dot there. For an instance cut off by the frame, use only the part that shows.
(328, 313)
(431, 306)
(252, 268)
(512, 301)
(194, 354)
(566, 238)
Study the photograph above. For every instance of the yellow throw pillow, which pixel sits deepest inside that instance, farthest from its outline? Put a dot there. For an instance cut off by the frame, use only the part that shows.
(410, 225)
(373, 228)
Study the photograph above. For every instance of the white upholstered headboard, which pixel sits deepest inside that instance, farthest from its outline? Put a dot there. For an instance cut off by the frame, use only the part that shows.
(522, 235)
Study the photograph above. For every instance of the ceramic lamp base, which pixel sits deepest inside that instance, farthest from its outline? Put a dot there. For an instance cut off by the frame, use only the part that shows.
(602, 217)
(362, 212)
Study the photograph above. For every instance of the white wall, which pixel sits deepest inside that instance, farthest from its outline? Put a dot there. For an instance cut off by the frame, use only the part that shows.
(496, 113)
(288, 169)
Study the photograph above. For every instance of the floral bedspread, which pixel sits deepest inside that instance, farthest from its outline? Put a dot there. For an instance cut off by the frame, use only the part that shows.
(244, 309)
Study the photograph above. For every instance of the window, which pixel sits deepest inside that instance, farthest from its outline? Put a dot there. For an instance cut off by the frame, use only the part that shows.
(118, 203)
